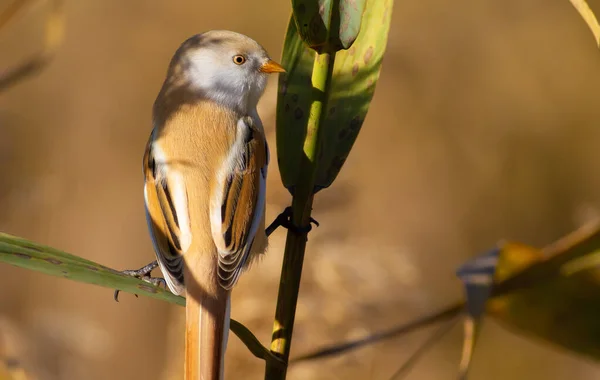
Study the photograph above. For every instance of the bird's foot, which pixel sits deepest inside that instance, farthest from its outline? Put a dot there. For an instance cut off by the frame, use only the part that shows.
(143, 274)
(143, 271)
(285, 220)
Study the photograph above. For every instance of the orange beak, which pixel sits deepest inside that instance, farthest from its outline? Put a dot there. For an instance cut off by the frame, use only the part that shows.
(271, 67)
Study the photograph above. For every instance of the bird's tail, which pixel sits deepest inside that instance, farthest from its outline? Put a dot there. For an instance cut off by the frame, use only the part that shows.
(206, 331)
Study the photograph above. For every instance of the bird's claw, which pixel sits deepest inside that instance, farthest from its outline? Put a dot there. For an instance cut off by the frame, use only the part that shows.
(156, 281)
(285, 220)
(143, 274)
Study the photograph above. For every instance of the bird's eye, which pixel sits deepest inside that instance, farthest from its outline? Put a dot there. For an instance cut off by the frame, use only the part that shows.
(239, 59)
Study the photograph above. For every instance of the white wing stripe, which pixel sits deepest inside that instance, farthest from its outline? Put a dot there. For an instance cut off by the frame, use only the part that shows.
(227, 168)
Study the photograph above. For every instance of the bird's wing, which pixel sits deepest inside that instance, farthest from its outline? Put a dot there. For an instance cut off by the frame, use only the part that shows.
(238, 200)
(167, 215)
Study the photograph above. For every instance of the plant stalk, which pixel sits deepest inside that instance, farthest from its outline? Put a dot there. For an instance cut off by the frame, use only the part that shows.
(295, 245)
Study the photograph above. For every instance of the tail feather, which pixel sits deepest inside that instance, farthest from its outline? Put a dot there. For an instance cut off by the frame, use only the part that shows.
(207, 330)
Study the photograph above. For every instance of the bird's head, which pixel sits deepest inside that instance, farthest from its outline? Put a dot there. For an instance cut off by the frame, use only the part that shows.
(226, 67)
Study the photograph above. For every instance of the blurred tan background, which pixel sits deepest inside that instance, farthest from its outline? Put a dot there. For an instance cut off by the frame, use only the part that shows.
(485, 125)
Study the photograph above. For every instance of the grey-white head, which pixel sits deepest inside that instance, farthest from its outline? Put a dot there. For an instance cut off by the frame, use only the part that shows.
(226, 67)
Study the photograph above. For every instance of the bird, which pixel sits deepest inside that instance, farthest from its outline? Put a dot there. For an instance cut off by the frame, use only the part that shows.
(205, 169)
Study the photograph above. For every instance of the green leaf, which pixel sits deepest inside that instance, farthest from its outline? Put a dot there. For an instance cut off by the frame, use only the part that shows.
(556, 297)
(355, 76)
(328, 24)
(552, 294)
(29, 255)
(349, 21)
(254, 345)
